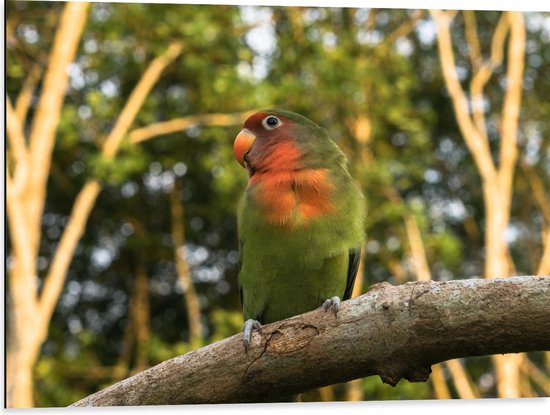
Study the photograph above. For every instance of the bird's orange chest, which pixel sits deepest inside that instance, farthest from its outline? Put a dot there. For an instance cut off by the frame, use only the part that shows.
(290, 198)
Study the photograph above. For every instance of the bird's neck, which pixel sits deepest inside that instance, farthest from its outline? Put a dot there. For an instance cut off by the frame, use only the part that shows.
(290, 198)
(279, 156)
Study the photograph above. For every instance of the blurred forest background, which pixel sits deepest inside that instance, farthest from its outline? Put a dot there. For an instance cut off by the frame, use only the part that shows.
(122, 187)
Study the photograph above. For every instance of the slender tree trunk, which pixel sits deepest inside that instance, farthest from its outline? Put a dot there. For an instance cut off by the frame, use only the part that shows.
(441, 390)
(498, 214)
(137, 332)
(184, 275)
(26, 197)
(141, 318)
(21, 388)
(27, 193)
(21, 363)
(497, 178)
(463, 384)
(28, 167)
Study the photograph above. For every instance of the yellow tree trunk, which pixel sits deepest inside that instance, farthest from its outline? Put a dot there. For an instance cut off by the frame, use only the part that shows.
(496, 178)
(28, 168)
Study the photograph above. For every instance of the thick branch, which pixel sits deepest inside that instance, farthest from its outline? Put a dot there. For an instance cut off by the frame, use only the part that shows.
(392, 331)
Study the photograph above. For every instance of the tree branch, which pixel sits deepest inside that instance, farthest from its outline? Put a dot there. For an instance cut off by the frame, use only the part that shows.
(192, 302)
(483, 73)
(538, 190)
(17, 149)
(137, 97)
(512, 102)
(405, 28)
(541, 379)
(544, 265)
(391, 331)
(53, 283)
(85, 200)
(470, 29)
(48, 112)
(463, 384)
(24, 98)
(441, 390)
(476, 142)
(179, 124)
(418, 252)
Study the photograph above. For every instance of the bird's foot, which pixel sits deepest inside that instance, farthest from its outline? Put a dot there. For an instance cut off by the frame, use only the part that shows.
(248, 327)
(333, 303)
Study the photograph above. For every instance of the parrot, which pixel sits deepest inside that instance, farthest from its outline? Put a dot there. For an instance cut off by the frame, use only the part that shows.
(300, 220)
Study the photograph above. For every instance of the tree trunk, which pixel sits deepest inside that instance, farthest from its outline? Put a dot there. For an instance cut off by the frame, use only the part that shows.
(140, 315)
(20, 390)
(497, 178)
(184, 275)
(21, 360)
(31, 311)
(393, 331)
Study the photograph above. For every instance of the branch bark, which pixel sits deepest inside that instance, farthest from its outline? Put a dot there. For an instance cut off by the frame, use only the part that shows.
(392, 331)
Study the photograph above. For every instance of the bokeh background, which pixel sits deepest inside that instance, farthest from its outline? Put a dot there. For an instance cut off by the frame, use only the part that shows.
(122, 187)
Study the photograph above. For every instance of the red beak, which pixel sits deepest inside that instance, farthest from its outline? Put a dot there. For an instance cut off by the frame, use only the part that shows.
(242, 144)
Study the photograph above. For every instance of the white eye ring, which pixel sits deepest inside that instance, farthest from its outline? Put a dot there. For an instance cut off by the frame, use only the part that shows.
(270, 122)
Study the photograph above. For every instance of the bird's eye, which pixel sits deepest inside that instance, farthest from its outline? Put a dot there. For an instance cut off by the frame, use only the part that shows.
(271, 122)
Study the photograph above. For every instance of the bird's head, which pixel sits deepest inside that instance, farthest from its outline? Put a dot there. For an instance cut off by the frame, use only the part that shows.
(279, 140)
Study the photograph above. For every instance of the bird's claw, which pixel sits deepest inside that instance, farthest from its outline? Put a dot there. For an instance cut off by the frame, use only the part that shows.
(248, 327)
(333, 303)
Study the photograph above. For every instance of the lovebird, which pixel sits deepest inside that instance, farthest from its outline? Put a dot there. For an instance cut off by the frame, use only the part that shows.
(300, 220)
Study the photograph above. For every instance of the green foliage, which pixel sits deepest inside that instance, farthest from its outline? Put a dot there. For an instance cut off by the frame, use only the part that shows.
(226, 323)
(159, 351)
(130, 160)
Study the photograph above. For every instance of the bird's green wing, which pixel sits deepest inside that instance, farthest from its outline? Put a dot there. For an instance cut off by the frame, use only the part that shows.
(353, 266)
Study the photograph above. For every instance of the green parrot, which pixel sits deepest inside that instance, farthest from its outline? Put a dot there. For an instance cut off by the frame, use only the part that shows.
(300, 220)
